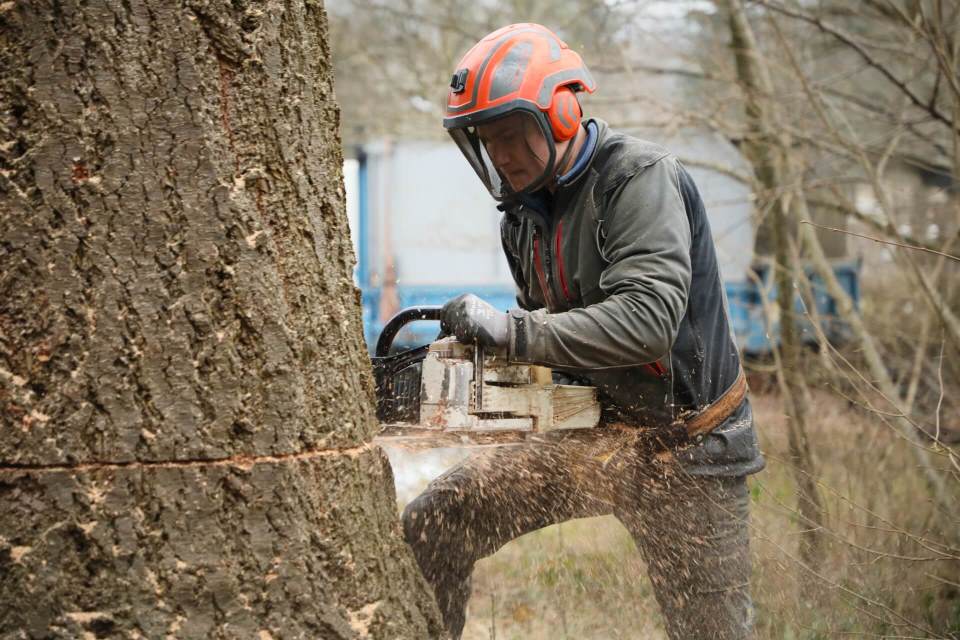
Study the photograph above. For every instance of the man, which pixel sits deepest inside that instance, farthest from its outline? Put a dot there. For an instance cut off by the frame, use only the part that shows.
(618, 286)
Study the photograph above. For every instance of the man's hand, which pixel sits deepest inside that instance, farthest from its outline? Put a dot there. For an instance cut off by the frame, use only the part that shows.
(471, 319)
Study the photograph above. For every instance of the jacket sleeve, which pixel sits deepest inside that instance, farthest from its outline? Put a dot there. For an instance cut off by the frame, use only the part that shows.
(646, 282)
(508, 240)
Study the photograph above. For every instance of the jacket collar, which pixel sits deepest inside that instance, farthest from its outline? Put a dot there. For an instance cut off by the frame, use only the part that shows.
(539, 206)
(584, 157)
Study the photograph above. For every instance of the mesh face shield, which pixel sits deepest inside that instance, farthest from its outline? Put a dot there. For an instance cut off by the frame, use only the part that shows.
(511, 154)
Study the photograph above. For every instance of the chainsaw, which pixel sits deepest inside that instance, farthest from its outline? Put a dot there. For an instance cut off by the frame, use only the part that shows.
(447, 393)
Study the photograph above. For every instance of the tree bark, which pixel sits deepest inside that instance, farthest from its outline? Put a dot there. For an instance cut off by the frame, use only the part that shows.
(187, 404)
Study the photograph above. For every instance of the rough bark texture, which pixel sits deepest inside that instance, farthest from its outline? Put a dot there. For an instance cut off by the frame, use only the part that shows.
(186, 398)
(303, 546)
(177, 261)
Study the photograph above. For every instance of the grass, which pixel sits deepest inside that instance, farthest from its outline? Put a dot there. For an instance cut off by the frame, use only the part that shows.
(887, 567)
(579, 579)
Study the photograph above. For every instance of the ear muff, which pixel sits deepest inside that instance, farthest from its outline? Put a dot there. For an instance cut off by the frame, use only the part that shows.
(564, 114)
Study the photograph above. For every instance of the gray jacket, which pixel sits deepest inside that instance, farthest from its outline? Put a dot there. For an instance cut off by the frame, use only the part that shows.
(618, 275)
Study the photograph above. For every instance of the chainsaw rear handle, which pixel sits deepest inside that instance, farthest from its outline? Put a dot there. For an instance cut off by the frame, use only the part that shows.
(399, 321)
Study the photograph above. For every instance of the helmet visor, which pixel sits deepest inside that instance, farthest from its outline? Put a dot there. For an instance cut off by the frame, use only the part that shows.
(512, 154)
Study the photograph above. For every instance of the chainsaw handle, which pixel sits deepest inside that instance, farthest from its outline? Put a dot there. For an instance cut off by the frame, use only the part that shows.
(403, 318)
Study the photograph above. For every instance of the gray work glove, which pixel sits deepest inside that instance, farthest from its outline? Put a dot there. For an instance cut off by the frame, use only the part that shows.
(471, 319)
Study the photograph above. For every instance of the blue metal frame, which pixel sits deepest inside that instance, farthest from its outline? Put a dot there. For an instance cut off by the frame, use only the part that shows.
(363, 223)
(753, 335)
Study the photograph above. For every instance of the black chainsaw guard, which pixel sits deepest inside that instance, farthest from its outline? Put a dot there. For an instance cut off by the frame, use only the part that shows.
(397, 381)
(397, 377)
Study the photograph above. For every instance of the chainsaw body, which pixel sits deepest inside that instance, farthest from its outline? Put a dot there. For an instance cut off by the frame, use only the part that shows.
(463, 394)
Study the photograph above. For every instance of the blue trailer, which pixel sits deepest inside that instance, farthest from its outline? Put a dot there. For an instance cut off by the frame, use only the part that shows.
(755, 335)
(425, 231)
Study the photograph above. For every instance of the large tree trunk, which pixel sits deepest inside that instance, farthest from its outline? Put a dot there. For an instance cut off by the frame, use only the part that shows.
(186, 398)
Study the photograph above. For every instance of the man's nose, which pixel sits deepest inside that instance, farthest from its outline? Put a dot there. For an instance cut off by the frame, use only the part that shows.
(499, 154)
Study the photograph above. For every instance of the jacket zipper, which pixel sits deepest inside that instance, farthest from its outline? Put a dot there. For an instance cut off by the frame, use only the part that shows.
(542, 274)
(559, 254)
(549, 270)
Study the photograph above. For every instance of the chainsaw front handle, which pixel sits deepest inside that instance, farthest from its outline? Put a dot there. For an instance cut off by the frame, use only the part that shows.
(399, 321)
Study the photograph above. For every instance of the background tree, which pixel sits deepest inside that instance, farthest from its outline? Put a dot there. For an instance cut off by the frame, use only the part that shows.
(186, 398)
(770, 165)
(843, 109)
(823, 130)
(394, 59)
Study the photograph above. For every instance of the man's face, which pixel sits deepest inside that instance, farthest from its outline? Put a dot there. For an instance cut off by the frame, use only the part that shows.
(517, 148)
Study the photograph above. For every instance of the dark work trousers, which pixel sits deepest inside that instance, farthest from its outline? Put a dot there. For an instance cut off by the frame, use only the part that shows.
(691, 530)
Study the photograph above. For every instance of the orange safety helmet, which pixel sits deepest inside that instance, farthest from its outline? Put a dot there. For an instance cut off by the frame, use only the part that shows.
(521, 68)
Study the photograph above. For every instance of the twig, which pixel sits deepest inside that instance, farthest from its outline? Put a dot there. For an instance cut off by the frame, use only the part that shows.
(848, 40)
(899, 244)
(943, 580)
(493, 616)
(936, 434)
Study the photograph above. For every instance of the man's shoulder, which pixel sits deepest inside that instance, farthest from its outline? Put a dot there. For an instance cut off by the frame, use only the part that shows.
(621, 156)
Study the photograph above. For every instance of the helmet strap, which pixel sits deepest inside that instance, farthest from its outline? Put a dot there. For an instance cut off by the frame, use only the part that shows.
(565, 158)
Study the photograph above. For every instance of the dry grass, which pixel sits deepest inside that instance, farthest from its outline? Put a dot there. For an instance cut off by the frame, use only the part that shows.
(580, 579)
(884, 573)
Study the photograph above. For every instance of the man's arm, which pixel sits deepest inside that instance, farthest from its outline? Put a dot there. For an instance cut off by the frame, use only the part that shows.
(647, 282)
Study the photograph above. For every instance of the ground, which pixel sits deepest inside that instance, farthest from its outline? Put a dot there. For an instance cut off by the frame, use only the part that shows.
(584, 579)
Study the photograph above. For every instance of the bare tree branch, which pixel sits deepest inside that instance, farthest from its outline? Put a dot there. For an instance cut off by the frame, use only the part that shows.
(898, 244)
(849, 40)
